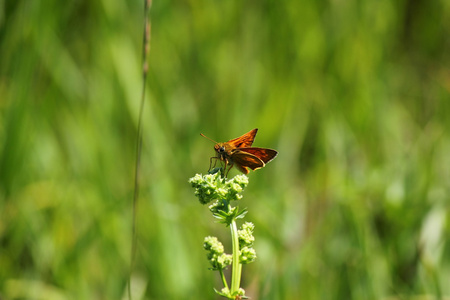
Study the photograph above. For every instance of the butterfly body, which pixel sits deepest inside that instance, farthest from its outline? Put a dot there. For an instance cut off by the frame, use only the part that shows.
(238, 152)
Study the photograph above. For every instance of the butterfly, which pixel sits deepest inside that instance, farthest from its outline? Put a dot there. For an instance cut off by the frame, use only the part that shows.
(240, 153)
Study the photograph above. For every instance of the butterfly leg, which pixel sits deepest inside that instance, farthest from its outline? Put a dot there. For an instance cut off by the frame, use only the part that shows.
(225, 169)
(210, 163)
(211, 166)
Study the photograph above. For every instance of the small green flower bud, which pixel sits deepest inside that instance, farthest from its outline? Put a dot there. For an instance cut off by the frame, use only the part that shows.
(222, 192)
(225, 291)
(224, 260)
(246, 237)
(213, 245)
(215, 206)
(242, 180)
(212, 187)
(247, 255)
(236, 187)
(205, 187)
(216, 256)
(248, 226)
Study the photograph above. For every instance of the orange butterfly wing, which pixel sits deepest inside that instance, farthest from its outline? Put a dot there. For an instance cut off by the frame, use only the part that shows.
(263, 154)
(245, 140)
(243, 160)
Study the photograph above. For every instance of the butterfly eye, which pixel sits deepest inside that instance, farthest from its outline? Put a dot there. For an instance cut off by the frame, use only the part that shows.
(221, 149)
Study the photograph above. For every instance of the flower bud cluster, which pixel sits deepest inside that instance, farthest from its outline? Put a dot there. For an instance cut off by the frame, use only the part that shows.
(212, 187)
(218, 192)
(246, 240)
(216, 256)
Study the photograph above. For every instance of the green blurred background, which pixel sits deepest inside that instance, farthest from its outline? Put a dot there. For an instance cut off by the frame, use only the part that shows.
(355, 95)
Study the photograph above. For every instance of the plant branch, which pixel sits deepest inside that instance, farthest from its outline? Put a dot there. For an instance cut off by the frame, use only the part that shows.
(237, 266)
(146, 50)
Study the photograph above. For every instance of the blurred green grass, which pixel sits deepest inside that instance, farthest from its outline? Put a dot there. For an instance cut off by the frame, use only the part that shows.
(354, 95)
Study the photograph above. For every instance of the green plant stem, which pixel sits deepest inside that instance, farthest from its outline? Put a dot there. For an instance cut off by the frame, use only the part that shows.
(237, 266)
(224, 280)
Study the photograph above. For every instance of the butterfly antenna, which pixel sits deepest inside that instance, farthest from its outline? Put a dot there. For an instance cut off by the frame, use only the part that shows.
(207, 138)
